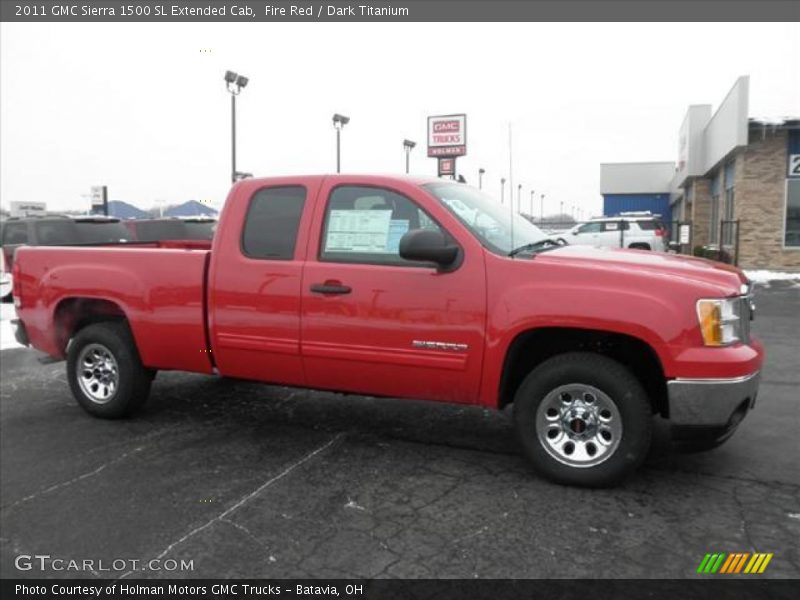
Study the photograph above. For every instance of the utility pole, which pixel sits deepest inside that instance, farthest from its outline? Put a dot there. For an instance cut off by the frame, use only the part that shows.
(235, 84)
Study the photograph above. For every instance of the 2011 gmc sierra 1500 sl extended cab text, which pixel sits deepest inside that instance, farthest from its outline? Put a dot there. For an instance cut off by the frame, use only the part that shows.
(410, 288)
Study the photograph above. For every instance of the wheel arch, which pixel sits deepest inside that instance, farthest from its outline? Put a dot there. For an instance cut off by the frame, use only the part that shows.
(75, 313)
(533, 346)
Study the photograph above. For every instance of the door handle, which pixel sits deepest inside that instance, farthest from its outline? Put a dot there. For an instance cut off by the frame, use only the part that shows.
(330, 287)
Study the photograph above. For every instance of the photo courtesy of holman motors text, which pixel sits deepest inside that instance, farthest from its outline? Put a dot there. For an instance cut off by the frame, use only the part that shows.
(420, 299)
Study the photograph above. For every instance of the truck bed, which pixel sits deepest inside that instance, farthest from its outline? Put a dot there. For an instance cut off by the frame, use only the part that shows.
(159, 287)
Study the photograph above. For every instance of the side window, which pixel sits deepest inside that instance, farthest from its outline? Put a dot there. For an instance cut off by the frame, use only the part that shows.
(365, 224)
(615, 226)
(272, 221)
(590, 228)
(15, 233)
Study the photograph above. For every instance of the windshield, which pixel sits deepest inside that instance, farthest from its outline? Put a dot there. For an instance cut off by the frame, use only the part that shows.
(491, 222)
(98, 232)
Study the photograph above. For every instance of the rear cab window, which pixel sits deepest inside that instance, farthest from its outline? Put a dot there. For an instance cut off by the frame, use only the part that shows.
(272, 222)
(56, 233)
(98, 232)
(155, 231)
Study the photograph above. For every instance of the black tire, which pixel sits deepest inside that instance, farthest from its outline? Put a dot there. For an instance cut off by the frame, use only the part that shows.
(639, 246)
(612, 380)
(133, 379)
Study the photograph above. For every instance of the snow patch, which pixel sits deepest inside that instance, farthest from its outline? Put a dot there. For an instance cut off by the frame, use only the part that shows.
(764, 276)
(7, 312)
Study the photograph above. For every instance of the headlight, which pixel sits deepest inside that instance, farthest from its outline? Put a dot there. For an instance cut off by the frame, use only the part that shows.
(720, 321)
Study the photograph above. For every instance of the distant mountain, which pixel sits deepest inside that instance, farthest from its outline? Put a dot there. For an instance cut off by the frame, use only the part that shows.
(191, 208)
(123, 210)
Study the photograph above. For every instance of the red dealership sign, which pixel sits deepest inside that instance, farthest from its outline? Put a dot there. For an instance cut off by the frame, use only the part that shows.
(447, 135)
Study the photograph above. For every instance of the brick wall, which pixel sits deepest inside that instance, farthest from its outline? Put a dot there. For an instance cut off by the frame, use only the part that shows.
(701, 211)
(760, 203)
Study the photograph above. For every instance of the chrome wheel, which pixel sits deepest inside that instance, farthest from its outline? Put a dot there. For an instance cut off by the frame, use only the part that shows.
(579, 425)
(98, 373)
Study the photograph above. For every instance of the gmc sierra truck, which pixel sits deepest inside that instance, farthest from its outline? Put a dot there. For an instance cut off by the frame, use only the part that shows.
(410, 288)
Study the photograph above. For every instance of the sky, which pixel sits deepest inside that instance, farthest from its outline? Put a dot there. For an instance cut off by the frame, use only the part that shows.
(143, 109)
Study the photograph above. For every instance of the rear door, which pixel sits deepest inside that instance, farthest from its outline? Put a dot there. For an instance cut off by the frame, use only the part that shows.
(255, 288)
(376, 324)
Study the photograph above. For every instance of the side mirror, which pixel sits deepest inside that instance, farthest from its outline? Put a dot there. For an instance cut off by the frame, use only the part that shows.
(428, 245)
(575, 232)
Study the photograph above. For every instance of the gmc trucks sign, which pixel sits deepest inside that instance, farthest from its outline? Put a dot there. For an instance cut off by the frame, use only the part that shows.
(447, 135)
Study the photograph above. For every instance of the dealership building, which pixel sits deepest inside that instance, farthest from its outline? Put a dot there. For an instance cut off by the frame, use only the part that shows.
(734, 190)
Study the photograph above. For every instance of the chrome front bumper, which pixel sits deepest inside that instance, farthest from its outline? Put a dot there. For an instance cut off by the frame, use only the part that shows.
(717, 403)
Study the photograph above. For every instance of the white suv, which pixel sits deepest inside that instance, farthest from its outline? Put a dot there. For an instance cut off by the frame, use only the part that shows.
(640, 230)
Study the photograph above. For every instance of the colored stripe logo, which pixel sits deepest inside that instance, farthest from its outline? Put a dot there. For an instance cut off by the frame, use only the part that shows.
(734, 563)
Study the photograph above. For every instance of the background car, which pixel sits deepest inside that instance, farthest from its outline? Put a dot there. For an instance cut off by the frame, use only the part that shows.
(640, 230)
(46, 230)
(99, 229)
(6, 281)
(171, 228)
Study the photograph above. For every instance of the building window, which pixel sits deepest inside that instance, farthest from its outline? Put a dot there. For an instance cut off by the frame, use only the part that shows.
(727, 232)
(713, 234)
(792, 234)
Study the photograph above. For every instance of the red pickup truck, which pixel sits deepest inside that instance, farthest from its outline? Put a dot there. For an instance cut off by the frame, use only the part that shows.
(410, 288)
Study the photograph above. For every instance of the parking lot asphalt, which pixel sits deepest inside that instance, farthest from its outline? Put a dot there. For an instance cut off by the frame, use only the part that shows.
(247, 480)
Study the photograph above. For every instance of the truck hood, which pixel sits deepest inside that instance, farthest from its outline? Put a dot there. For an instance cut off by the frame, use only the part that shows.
(728, 279)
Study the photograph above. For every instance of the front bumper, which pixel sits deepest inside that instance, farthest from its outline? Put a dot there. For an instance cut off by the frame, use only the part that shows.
(710, 408)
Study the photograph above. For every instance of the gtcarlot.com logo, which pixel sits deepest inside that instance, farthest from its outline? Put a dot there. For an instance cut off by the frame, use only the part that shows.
(45, 562)
(734, 563)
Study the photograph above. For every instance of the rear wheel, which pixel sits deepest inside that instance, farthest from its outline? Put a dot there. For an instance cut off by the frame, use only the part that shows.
(640, 246)
(105, 373)
(583, 419)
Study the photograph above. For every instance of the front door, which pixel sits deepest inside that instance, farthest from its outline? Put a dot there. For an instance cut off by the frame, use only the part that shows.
(376, 324)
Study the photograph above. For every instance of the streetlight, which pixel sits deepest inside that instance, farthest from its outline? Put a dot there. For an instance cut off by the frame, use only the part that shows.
(480, 178)
(408, 146)
(532, 195)
(235, 84)
(561, 210)
(541, 208)
(502, 189)
(519, 198)
(339, 121)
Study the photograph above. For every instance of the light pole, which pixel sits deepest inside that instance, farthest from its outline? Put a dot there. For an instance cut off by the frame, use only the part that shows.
(561, 210)
(519, 199)
(532, 195)
(502, 189)
(480, 178)
(408, 146)
(541, 208)
(339, 121)
(235, 84)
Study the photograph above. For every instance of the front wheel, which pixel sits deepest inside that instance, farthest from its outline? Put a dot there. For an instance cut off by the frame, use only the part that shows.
(105, 373)
(583, 419)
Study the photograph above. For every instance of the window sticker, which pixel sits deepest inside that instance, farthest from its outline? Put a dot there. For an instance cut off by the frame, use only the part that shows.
(397, 229)
(358, 231)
